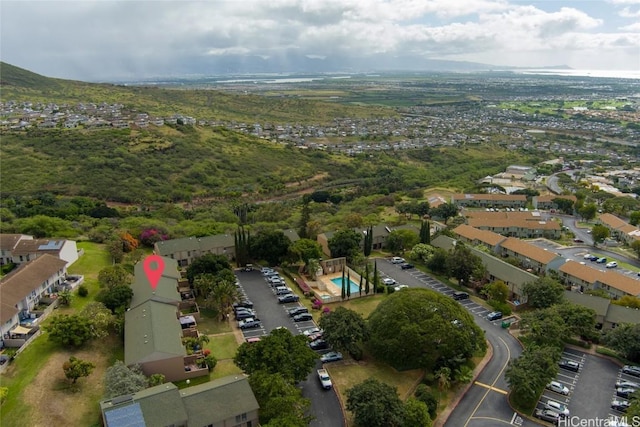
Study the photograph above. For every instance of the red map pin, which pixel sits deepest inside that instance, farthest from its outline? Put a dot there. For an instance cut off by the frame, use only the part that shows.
(153, 267)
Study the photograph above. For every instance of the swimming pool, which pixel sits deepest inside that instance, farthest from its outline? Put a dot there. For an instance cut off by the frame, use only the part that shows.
(354, 286)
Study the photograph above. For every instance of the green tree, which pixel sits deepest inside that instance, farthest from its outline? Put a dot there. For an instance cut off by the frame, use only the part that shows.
(112, 276)
(424, 394)
(376, 277)
(438, 260)
(367, 288)
(65, 297)
(203, 284)
(543, 292)
(115, 249)
(368, 241)
(375, 404)
(497, 291)
(445, 211)
(422, 252)
(116, 298)
(544, 327)
(414, 329)
(278, 353)
(271, 246)
(281, 402)
(588, 211)
(579, 320)
(305, 250)
(531, 372)
(443, 375)
(305, 217)
(157, 379)
(400, 240)
(343, 328)
(343, 289)
(75, 368)
(564, 205)
(599, 233)
(463, 264)
(345, 243)
(222, 297)
(120, 380)
(69, 330)
(628, 301)
(625, 339)
(634, 218)
(102, 320)
(242, 240)
(425, 232)
(635, 247)
(208, 263)
(416, 414)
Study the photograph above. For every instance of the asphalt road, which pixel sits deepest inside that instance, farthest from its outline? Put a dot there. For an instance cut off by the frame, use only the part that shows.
(325, 406)
(485, 403)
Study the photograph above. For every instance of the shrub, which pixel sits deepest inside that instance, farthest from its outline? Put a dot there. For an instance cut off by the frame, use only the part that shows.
(83, 291)
(356, 352)
(503, 307)
(424, 394)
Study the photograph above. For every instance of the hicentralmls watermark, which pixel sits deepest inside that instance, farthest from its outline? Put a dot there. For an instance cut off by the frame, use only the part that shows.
(599, 422)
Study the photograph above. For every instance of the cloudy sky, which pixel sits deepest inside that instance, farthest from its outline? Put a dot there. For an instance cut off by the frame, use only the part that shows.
(101, 40)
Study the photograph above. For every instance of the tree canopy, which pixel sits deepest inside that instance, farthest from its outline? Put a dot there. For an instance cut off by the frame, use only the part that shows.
(278, 353)
(375, 404)
(343, 328)
(625, 339)
(271, 246)
(119, 380)
(464, 264)
(69, 330)
(208, 263)
(345, 243)
(304, 250)
(415, 329)
(543, 292)
(281, 402)
(76, 368)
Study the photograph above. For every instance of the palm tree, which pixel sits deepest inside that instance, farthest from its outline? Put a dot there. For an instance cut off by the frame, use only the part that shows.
(222, 297)
(203, 284)
(444, 379)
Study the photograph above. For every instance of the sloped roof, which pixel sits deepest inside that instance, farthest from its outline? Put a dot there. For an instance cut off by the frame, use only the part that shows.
(166, 289)
(160, 405)
(152, 332)
(168, 247)
(218, 400)
(611, 220)
(24, 247)
(620, 314)
(513, 223)
(580, 271)
(9, 241)
(599, 304)
(18, 284)
(550, 197)
(621, 282)
(528, 250)
(472, 233)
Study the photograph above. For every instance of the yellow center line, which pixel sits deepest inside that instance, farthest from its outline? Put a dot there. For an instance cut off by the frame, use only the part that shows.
(499, 390)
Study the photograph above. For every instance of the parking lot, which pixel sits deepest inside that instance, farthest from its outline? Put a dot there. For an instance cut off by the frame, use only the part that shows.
(591, 389)
(272, 315)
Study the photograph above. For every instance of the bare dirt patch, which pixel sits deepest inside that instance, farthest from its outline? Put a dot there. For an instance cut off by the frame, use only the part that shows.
(55, 402)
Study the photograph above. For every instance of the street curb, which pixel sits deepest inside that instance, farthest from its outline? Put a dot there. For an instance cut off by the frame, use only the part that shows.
(444, 415)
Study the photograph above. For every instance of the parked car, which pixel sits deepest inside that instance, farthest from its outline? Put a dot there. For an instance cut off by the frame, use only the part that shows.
(593, 258)
(400, 287)
(558, 407)
(332, 356)
(310, 331)
(569, 365)
(627, 384)
(576, 240)
(588, 256)
(602, 260)
(315, 336)
(283, 290)
(631, 370)
(547, 415)
(288, 298)
(319, 345)
(297, 310)
(620, 405)
(458, 295)
(406, 266)
(558, 388)
(253, 340)
(325, 379)
(249, 323)
(397, 260)
(388, 281)
(625, 392)
(241, 315)
(303, 317)
(243, 303)
(611, 264)
(494, 315)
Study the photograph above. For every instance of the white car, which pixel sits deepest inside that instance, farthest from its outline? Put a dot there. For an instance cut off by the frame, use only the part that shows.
(397, 260)
(557, 387)
(400, 287)
(587, 256)
(388, 281)
(558, 407)
(611, 264)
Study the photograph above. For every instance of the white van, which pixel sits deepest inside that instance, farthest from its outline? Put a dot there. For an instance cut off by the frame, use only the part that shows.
(558, 407)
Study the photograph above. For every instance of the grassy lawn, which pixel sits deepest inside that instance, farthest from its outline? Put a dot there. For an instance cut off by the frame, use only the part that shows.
(223, 346)
(223, 368)
(95, 258)
(209, 323)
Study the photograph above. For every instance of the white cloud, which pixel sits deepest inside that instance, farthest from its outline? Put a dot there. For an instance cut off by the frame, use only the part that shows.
(73, 39)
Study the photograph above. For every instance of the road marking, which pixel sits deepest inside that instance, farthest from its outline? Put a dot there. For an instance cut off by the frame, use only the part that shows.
(494, 381)
(499, 390)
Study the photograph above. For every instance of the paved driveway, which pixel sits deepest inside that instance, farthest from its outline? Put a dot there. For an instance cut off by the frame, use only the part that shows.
(325, 406)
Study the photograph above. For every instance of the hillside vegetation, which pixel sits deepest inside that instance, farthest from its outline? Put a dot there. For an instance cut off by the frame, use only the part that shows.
(22, 85)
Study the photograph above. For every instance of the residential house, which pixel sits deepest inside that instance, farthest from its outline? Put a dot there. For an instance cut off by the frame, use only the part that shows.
(186, 249)
(8, 243)
(530, 257)
(546, 202)
(482, 200)
(29, 249)
(476, 237)
(583, 278)
(614, 225)
(22, 289)
(224, 402)
(523, 229)
(607, 314)
(380, 234)
(496, 269)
